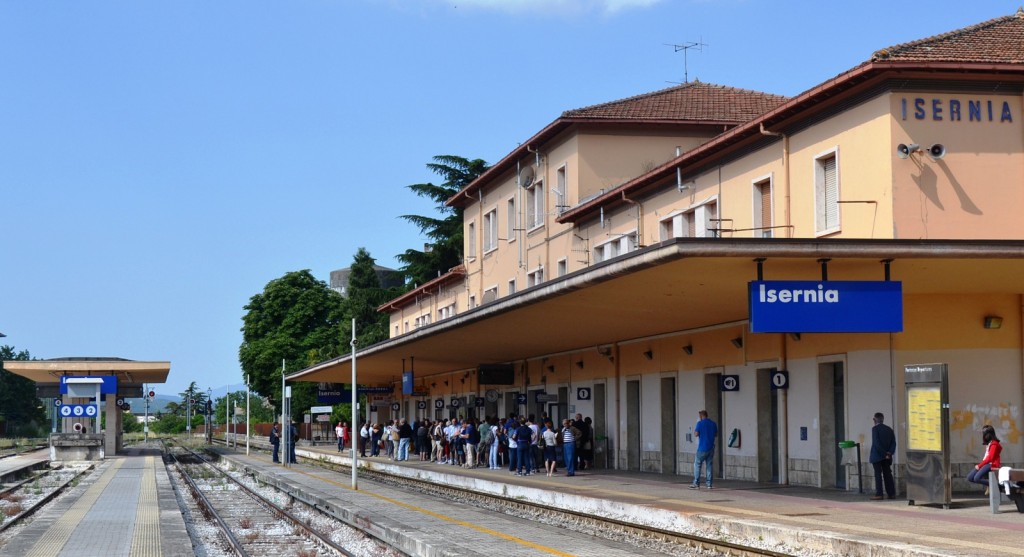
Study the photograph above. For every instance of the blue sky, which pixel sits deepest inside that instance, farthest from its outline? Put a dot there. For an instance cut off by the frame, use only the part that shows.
(161, 161)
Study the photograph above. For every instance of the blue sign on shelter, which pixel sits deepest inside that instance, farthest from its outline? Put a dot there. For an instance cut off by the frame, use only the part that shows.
(826, 306)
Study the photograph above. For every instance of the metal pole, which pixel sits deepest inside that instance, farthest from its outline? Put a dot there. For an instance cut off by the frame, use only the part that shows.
(146, 423)
(188, 426)
(355, 412)
(247, 396)
(209, 416)
(286, 430)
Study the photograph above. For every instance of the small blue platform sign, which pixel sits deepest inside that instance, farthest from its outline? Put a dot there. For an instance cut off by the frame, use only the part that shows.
(521, 399)
(780, 379)
(480, 402)
(583, 393)
(439, 404)
(455, 402)
(730, 383)
(78, 411)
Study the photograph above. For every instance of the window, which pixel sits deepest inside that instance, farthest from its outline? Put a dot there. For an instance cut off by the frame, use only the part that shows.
(623, 244)
(563, 267)
(446, 312)
(763, 208)
(560, 204)
(407, 326)
(535, 205)
(698, 222)
(471, 241)
(826, 193)
(491, 230)
(510, 219)
(511, 287)
(490, 294)
(397, 332)
(472, 302)
(535, 277)
(422, 321)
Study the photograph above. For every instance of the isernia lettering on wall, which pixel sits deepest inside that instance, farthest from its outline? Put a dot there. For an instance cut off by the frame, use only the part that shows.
(826, 306)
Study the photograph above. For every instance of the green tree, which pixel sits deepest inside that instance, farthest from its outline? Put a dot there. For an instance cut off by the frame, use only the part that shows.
(443, 232)
(198, 398)
(365, 295)
(295, 316)
(20, 408)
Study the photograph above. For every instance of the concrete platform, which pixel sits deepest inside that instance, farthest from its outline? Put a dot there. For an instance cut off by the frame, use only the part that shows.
(125, 507)
(17, 465)
(826, 520)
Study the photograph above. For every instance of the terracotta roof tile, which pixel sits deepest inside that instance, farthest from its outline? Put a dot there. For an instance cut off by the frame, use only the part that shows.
(695, 102)
(999, 40)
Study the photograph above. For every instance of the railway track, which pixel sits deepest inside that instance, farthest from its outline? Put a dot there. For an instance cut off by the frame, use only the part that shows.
(249, 522)
(643, 536)
(21, 499)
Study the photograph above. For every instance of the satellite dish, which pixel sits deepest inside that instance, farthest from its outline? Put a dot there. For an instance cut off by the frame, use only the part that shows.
(526, 177)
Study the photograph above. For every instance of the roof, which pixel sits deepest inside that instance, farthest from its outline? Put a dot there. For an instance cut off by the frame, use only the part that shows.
(128, 372)
(690, 102)
(961, 52)
(684, 105)
(454, 275)
(999, 40)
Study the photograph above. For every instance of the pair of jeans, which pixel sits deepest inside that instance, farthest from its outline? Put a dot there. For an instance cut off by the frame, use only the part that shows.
(979, 476)
(569, 457)
(403, 449)
(470, 455)
(523, 455)
(493, 460)
(513, 458)
(276, 447)
(707, 458)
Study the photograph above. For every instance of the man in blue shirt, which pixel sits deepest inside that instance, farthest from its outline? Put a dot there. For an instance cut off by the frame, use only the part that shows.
(706, 432)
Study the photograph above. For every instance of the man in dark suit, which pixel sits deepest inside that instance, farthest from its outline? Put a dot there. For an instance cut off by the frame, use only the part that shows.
(883, 446)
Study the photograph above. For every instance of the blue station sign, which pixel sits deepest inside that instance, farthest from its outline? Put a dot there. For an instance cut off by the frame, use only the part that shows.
(826, 306)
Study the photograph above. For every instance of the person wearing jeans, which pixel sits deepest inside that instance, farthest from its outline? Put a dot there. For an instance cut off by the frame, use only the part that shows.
(569, 435)
(706, 431)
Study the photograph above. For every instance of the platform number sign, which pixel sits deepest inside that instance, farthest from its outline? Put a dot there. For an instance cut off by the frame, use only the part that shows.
(780, 379)
(396, 407)
(57, 402)
(730, 383)
(78, 410)
(455, 402)
(421, 405)
(439, 404)
(583, 393)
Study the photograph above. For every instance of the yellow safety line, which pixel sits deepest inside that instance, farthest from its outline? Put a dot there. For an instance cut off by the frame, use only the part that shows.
(487, 531)
(146, 537)
(57, 535)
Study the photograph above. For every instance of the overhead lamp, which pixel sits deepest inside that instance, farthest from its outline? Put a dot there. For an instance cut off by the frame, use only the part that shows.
(688, 349)
(794, 336)
(993, 322)
(551, 369)
(737, 342)
(579, 364)
(649, 354)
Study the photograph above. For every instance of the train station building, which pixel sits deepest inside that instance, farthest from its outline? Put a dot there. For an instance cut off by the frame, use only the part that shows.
(785, 263)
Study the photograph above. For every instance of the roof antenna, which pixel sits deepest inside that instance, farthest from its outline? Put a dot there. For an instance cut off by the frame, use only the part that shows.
(699, 45)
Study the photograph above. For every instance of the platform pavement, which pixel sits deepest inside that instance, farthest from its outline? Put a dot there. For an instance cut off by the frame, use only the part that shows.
(825, 520)
(126, 506)
(17, 464)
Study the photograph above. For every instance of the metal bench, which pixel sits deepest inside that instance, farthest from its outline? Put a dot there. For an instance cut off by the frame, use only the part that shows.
(1009, 481)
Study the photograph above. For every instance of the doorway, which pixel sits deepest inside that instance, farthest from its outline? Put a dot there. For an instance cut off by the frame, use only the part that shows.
(633, 424)
(713, 406)
(832, 420)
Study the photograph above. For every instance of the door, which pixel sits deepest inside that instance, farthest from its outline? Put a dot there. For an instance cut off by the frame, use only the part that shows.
(832, 420)
(633, 425)
(669, 426)
(713, 405)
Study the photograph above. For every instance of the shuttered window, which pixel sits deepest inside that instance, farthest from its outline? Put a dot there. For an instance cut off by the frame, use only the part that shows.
(763, 209)
(826, 194)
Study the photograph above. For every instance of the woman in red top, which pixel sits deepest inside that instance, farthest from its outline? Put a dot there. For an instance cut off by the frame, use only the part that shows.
(991, 461)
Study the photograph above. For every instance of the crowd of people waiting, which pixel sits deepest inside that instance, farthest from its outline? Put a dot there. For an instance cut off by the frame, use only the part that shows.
(522, 444)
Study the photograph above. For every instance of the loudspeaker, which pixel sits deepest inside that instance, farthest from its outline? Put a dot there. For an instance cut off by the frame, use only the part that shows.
(937, 151)
(903, 150)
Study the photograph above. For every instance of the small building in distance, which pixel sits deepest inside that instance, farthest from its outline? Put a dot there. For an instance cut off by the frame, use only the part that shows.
(388, 278)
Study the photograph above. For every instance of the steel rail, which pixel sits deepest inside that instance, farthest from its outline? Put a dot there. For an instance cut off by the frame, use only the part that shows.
(259, 499)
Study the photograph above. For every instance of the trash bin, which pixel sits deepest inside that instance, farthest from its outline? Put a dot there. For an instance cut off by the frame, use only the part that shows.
(851, 457)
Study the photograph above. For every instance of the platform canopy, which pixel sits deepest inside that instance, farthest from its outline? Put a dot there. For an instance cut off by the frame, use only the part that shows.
(129, 373)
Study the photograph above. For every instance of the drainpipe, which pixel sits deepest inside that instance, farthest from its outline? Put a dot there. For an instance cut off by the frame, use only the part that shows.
(639, 219)
(786, 218)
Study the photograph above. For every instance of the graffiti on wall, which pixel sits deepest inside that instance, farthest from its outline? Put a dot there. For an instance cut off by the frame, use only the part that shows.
(1003, 417)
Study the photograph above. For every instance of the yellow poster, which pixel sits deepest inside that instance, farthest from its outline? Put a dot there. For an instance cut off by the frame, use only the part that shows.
(924, 418)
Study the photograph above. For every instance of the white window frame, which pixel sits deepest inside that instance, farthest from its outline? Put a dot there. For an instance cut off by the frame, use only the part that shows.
(535, 277)
(535, 207)
(675, 225)
(472, 302)
(511, 286)
(471, 240)
(755, 190)
(562, 266)
(623, 243)
(561, 183)
(446, 312)
(822, 195)
(510, 216)
(491, 230)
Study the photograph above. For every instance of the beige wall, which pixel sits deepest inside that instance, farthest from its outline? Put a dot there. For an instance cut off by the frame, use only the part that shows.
(975, 191)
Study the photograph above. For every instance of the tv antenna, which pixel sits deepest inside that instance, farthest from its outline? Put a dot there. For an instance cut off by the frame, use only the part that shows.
(685, 47)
